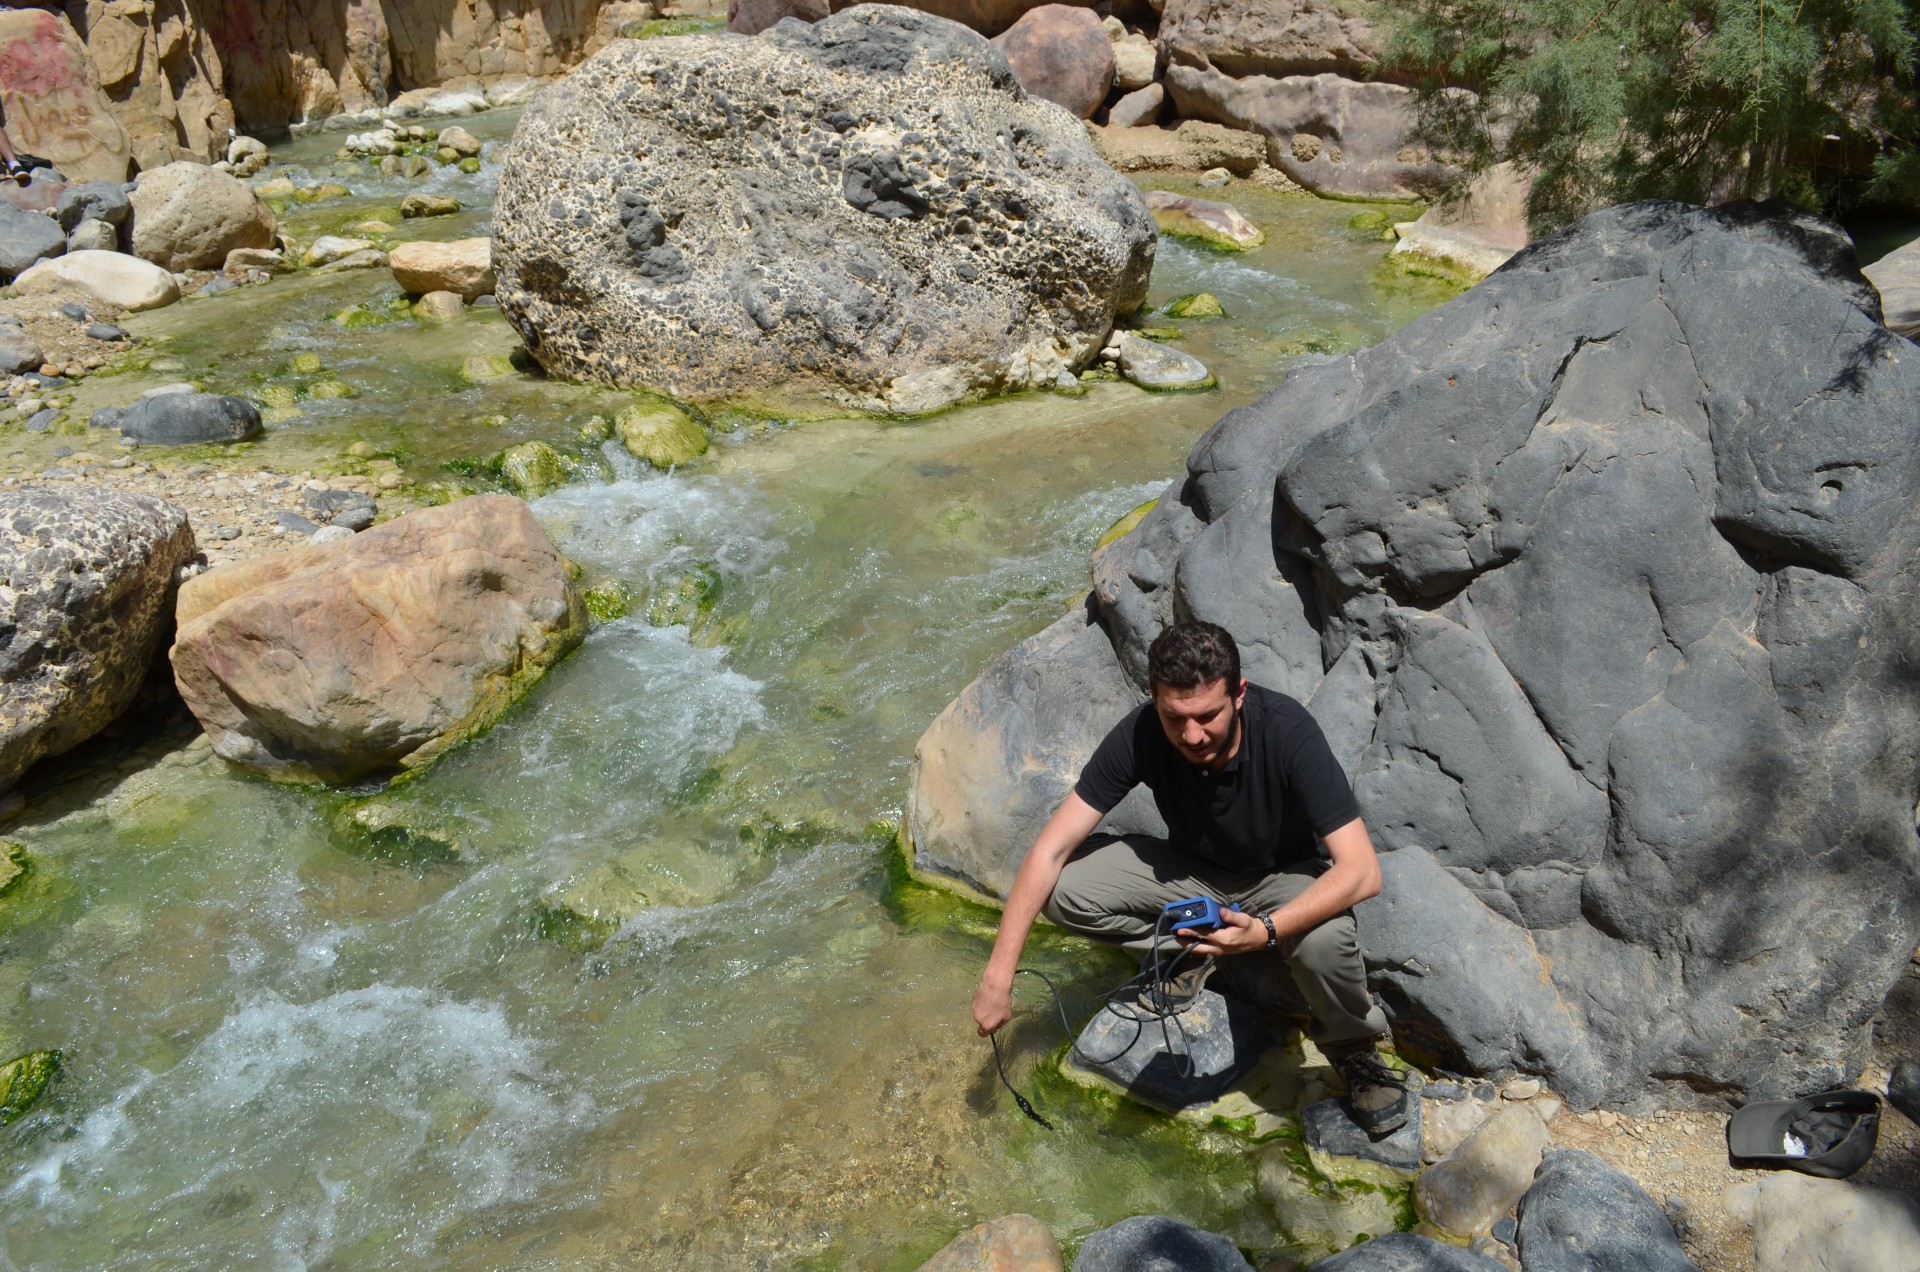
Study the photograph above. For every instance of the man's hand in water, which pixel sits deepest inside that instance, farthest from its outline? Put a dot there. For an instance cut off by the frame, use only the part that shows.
(992, 1006)
(1237, 934)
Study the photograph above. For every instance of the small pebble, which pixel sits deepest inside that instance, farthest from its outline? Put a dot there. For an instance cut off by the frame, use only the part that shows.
(1504, 1229)
(61, 452)
(76, 312)
(1520, 1088)
(43, 421)
(106, 331)
(228, 533)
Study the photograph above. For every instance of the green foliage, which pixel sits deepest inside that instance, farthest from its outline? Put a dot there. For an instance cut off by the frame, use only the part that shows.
(1607, 101)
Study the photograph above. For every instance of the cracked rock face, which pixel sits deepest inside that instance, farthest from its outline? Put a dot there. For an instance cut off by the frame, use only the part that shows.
(86, 578)
(1601, 581)
(868, 208)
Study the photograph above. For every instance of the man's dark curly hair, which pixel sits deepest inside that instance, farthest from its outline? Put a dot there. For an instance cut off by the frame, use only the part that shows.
(1189, 655)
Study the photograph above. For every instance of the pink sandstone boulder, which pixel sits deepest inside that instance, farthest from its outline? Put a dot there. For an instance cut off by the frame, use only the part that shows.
(1062, 54)
(55, 107)
(380, 651)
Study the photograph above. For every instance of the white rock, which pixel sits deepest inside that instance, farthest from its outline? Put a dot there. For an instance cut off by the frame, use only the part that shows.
(1520, 1088)
(125, 282)
(331, 247)
(1802, 1224)
(1135, 61)
(1467, 1192)
(330, 534)
(241, 147)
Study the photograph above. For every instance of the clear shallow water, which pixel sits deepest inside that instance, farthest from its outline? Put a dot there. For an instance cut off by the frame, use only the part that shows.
(283, 1052)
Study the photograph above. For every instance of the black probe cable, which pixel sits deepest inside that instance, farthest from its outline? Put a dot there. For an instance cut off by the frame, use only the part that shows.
(1151, 980)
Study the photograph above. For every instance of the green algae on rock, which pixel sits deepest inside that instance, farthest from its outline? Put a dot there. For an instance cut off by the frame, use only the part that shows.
(1194, 305)
(388, 829)
(13, 863)
(661, 434)
(608, 601)
(486, 366)
(532, 469)
(1204, 221)
(1125, 524)
(685, 598)
(23, 1080)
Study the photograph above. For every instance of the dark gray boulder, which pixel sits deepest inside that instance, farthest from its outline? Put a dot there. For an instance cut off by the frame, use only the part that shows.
(1407, 1252)
(869, 208)
(347, 508)
(1328, 1125)
(94, 201)
(178, 419)
(86, 586)
(27, 237)
(1600, 579)
(1156, 1243)
(1174, 1062)
(1582, 1215)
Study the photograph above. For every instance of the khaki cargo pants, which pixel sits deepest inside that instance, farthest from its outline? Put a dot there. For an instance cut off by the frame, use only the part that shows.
(1113, 888)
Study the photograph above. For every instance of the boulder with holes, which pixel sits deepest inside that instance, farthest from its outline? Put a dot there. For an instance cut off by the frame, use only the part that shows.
(869, 209)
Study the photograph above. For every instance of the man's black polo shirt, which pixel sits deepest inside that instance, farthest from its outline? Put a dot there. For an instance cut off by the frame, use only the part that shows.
(1263, 810)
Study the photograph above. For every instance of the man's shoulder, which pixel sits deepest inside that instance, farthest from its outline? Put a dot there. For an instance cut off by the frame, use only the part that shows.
(1274, 705)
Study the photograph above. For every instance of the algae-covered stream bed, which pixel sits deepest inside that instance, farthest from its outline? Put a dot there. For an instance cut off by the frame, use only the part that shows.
(291, 1043)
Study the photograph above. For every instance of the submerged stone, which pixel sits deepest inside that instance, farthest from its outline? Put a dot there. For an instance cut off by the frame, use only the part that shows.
(1206, 221)
(13, 863)
(685, 598)
(1196, 305)
(608, 601)
(390, 830)
(486, 366)
(1154, 366)
(533, 468)
(1157, 1241)
(661, 434)
(1326, 1205)
(419, 205)
(307, 364)
(23, 1080)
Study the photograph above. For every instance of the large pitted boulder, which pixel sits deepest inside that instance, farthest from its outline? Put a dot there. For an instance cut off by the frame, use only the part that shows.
(1601, 581)
(869, 207)
(380, 651)
(1063, 54)
(188, 216)
(86, 577)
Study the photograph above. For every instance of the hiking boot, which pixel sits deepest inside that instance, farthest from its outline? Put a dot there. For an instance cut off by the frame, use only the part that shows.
(1376, 1095)
(1176, 993)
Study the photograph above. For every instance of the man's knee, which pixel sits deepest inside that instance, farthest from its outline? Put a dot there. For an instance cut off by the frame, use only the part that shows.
(1330, 949)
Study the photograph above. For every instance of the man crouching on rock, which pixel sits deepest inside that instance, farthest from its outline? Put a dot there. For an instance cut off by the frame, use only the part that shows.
(1246, 784)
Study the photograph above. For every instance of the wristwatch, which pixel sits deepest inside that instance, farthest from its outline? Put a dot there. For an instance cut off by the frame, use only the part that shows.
(1273, 941)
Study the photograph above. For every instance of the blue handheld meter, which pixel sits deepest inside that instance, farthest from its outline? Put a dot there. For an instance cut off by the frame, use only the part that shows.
(1196, 914)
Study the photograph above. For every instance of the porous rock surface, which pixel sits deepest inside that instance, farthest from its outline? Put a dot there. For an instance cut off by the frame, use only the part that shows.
(1600, 580)
(869, 207)
(85, 581)
(375, 653)
(188, 216)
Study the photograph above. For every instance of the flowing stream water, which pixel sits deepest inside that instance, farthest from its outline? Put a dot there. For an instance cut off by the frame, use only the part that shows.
(285, 1051)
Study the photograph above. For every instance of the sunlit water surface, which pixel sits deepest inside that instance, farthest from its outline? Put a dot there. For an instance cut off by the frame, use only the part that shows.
(284, 1052)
